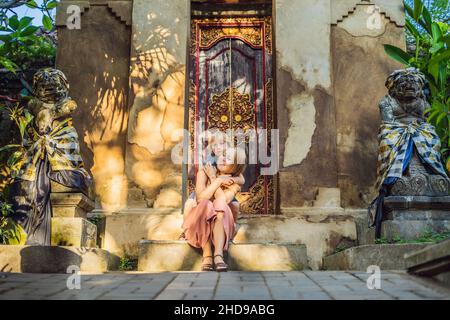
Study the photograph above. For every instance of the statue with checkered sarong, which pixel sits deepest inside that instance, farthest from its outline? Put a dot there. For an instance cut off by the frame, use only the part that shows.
(409, 159)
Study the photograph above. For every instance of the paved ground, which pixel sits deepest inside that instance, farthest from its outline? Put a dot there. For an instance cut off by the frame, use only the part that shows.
(211, 285)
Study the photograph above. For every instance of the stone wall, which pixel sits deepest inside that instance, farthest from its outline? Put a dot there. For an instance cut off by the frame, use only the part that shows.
(127, 71)
(360, 68)
(305, 106)
(156, 115)
(95, 59)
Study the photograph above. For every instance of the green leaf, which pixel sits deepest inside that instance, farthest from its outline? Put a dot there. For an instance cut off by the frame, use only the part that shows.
(418, 9)
(32, 4)
(47, 22)
(397, 54)
(14, 158)
(28, 31)
(408, 9)
(427, 19)
(24, 22)
(13, 22)
(434, 63)
(442, 76)
(9, 146)
(52, 5)
(433, 114)
(8, 64)
(436, 32)
(5, 37)
(441, 117)
(413, 29)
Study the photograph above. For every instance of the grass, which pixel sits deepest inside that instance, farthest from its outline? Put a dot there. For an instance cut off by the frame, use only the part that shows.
(127, 264)
(426, 237)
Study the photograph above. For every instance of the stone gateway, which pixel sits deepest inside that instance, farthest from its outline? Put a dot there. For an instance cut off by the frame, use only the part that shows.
(147, 73)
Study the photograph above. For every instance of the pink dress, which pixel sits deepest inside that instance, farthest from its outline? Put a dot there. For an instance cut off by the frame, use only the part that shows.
(199, 223)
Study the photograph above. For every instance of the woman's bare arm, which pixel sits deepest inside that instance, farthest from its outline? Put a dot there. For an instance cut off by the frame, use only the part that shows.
(231, 191)
(204, 192)
(228, 193)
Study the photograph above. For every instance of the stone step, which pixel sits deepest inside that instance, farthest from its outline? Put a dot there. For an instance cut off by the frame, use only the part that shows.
(385, 256)
(432, 261)
(159, 256)
(55, 259)
(321, 230)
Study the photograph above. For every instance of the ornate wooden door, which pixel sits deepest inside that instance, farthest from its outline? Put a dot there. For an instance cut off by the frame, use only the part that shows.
(231, 88)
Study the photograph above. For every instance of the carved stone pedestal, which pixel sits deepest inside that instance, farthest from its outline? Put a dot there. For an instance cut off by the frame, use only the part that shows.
(67, 202)
(74, 232)
(69, 224)
(410, 216)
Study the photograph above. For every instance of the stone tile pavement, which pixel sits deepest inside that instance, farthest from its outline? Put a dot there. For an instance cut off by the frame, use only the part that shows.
(311, 285)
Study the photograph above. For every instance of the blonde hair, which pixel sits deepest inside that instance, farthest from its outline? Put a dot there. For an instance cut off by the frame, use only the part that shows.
(238, 162)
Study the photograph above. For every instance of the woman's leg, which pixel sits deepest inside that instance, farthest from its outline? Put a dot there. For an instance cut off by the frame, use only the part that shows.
(188, 206)
(219, 237)
(235, 206)
(207, 253)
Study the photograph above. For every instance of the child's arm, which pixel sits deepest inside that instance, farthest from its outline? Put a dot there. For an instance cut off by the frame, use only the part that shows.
(228, 193)
(204, 192)
(240, 180)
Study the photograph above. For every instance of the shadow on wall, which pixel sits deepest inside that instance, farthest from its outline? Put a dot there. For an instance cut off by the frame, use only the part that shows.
(157, 97)
(96, 62)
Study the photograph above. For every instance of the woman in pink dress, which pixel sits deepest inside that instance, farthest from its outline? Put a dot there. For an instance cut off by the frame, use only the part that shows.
(209, 222)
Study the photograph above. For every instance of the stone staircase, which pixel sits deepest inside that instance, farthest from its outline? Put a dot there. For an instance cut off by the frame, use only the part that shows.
(153, 236)
(296, 239)
(409, 219)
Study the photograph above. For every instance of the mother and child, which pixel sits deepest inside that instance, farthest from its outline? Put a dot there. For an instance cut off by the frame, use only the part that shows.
(210, 213)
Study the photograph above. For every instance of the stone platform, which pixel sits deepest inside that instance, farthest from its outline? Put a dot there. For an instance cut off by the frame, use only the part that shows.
(157, 256)
(410, 216)
(385, 256)
(432, 261)
(55, 259)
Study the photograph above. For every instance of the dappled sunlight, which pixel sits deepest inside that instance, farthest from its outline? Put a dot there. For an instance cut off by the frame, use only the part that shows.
(110, 181)
(146, 175)
(157, 79)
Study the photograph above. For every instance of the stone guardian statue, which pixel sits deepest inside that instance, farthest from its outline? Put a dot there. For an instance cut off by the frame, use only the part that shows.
(52, 153)
(409, 158)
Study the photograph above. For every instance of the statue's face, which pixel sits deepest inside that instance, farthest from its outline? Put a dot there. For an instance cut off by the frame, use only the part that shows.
(407, 88)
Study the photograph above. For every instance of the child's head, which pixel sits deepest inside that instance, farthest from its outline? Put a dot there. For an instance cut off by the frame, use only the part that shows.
(231, 162)
(218, 143)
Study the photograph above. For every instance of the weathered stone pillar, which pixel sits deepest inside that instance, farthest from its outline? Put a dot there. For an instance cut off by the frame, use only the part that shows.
(305, 107)
(95, 59)
(360, 67)
(156, 118)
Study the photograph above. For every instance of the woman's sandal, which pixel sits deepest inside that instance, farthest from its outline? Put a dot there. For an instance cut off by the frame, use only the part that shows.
(207, 266)
(221, 266)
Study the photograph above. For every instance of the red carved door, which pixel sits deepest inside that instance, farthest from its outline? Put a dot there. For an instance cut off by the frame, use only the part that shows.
(231, 88)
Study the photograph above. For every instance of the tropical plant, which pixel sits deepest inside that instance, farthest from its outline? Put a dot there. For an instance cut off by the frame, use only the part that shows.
(23, 43)
(431, 56)
(9, 231)
(15, 152)
(11, 156)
